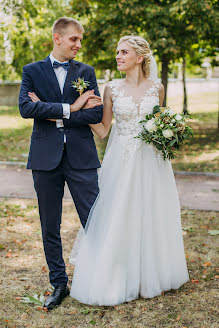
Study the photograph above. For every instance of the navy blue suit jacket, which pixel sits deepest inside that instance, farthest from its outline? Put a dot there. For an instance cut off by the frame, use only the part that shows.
(47, 141)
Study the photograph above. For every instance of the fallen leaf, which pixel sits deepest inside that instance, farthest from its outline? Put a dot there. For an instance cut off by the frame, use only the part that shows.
(44, 269)
(144, 308)
(72, 312)
(217, 276)
(205, 271)
(204, 227)
(47, 293)
(9, 254)
(178, 318)
(195, 281)
(42, 316)
(18, 298)
(207, 264)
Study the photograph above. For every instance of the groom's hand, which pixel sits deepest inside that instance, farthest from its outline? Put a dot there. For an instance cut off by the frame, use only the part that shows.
(82, 100)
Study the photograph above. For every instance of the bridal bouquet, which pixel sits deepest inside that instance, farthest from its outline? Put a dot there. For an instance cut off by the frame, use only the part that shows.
(166, 130)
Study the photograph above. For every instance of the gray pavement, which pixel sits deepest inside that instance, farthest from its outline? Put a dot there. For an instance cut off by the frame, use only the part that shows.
(195, 192)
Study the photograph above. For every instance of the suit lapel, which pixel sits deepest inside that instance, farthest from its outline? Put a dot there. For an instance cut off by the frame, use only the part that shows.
(72, 75)
(51, 76)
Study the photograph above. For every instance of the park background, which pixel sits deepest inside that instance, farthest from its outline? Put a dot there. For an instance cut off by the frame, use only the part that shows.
(183, 35)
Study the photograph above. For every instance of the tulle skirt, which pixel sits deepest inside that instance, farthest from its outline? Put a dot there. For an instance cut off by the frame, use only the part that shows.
(132, 245)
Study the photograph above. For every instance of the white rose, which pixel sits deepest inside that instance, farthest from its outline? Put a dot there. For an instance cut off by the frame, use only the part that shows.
(171, 124)
(170, 112)
(167, 133)
(178, 117)
(150, 126)
(161, 126)
(173, 120)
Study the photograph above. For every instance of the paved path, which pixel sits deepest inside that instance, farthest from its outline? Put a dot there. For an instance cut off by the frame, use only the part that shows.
(195, 192)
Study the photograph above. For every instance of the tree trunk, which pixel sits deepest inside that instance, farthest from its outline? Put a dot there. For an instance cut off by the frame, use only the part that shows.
(164, 76)
(185, 109)
(218, 110)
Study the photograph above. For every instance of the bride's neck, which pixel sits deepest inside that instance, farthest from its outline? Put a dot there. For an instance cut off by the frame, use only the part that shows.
(135, 77)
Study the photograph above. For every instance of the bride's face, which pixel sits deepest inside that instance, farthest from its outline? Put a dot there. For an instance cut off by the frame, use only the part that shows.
(126, 57)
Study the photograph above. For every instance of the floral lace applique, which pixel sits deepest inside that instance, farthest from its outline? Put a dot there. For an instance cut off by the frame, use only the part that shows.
(128, 114)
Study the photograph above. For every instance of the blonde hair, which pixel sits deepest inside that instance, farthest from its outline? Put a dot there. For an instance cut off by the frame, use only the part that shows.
(62, 23)
(142, 48)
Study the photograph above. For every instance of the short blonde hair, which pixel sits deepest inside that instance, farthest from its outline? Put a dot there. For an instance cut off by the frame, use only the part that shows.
(142, 48)
(62, 23)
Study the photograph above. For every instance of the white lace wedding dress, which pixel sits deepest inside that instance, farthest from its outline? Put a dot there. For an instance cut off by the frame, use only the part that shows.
(132, 245)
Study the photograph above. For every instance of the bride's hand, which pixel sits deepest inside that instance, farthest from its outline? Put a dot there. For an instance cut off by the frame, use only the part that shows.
(34, 98)
(93, 102)
(82, 100)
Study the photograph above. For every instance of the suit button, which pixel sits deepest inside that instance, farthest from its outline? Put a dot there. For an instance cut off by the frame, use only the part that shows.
(61, 130)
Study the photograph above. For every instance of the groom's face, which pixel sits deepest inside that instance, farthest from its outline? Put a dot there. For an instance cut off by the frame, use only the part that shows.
(69, 42)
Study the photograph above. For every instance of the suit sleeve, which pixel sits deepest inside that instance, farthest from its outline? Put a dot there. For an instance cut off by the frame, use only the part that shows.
(39, 109)
(86, 116)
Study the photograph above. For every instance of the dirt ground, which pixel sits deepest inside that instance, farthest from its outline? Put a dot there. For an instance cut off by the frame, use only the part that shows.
(24, 272)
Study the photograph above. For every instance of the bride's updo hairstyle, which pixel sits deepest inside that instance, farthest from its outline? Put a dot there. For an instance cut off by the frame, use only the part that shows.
(142, 48)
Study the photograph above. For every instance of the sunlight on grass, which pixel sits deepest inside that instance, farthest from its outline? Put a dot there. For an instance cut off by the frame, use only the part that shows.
(198, 102)
(199, 154)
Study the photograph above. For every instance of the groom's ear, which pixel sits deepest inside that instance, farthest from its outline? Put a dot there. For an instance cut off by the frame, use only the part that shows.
(56, 38)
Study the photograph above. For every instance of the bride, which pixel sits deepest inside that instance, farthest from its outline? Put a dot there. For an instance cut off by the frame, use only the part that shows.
(132, 245)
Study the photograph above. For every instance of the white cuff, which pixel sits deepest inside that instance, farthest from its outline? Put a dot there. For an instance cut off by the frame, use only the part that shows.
(59, 124)
(66, 110)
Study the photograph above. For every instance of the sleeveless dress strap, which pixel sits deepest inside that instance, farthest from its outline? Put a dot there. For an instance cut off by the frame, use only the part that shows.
(114, 87)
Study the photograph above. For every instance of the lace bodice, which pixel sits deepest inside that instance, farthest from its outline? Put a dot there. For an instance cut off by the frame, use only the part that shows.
(128, 112)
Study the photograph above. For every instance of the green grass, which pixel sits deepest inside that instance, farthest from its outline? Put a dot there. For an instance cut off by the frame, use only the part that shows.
(199, 154)
(24, 272)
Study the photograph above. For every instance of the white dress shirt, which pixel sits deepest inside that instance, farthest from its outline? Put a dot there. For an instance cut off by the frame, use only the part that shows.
(61, 74)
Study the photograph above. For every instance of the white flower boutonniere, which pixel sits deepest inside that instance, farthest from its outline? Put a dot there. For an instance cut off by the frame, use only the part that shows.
(80, 85)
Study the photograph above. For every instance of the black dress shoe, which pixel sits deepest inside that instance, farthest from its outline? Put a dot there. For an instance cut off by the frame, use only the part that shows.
(56, 298)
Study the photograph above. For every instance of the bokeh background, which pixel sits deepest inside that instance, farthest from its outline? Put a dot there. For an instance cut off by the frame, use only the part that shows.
(184, 36)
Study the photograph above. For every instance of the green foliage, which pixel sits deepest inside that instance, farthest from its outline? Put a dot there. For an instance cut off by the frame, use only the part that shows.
(29, 30)
(171, 27)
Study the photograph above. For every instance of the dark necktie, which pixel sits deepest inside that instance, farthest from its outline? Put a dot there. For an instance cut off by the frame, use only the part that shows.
(64, 65)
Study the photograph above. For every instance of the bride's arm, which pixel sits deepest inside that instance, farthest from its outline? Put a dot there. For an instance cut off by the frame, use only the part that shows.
(161, 94)
(102, 129)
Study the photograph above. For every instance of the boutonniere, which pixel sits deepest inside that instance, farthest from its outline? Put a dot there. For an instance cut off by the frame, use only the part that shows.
(80, 85)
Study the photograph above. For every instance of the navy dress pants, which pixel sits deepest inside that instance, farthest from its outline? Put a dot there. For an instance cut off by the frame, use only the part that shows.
(49, 186)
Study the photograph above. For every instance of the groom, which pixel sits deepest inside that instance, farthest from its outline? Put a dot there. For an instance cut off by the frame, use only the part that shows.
(62, 147)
